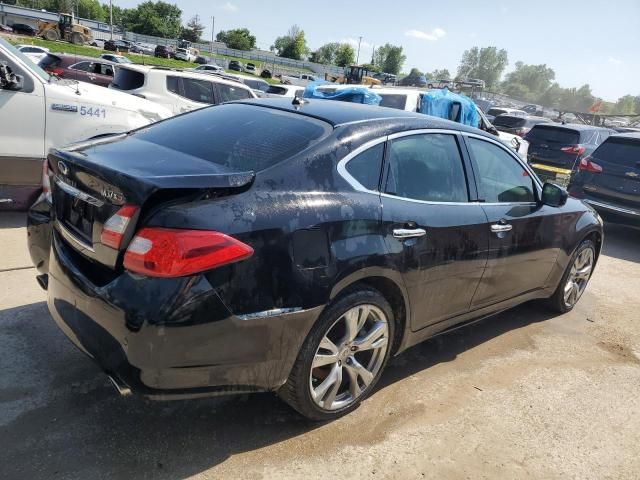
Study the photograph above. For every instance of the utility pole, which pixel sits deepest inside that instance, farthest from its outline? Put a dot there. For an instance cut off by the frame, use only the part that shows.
(213, 24)
(358, 56)
(111, 17)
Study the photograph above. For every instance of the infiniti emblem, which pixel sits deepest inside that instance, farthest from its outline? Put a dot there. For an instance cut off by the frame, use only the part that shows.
(63, 168)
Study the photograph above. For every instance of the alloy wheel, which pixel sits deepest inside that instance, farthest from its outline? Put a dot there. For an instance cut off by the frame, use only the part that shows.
(349, 357)
(578, 277)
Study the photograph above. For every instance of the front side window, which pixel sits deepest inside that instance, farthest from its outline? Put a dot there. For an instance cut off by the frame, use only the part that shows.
(501, 179)
(366, 166)
(229, 93)
(427, 167)
(82, 66)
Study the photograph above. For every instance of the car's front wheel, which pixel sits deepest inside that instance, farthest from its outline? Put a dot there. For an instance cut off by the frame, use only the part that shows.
(575, 279)
(343, 356)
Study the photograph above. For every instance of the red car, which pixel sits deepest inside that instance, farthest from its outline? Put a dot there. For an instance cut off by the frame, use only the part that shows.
(86, 69)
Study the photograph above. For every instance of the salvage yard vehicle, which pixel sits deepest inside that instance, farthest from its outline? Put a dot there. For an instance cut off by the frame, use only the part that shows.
(39, 111)
(298, 251)
(517, 125)
(115, 58)
(74, 67)
(66, 28)
(555, 151)
(33, 52)
(284, 91)
(609, 179)
(178, 90)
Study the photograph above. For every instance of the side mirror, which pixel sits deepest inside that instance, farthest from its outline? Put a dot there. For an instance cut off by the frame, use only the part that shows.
(553, 195)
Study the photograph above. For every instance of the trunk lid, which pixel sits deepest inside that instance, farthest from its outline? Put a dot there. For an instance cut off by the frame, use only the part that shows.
(546, 144)
(92, 181)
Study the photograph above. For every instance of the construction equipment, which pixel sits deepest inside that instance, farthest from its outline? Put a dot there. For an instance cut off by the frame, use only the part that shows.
(65, 29)
(188, 45)
(354, 75)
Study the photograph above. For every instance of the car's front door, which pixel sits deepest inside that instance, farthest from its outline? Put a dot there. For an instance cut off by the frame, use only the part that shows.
(434, 234)
(524, 234)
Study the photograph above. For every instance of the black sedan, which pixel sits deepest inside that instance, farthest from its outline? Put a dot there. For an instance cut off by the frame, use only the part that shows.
(23, 29)
(299, 251)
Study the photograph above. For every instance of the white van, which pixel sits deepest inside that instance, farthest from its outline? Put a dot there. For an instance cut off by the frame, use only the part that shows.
(38, 112)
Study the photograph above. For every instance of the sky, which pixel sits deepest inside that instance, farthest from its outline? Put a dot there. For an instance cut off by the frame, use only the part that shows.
(590, 41)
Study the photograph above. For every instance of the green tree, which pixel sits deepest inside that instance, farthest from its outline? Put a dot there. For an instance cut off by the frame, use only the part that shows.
(193, 31)
(389, 58)
(159, 19)
(292, 45)
(90, 9)
(518, 91)
(576, 99)
(326, 54)
(536, 78)
(414, 72)
(485, 63)
(240, 39)
(626, 105)
(119, 16)
(440, 74)
(345, 55)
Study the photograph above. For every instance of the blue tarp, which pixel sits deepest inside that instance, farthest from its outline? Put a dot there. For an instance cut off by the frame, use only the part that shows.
(355, 94)
(451, 106)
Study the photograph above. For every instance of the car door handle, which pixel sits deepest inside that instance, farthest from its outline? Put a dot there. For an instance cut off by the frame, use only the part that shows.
(499, 228)
(403, 233)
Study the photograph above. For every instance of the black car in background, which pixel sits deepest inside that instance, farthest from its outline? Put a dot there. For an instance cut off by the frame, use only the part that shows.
(164, 51)
(557, 149)
(121, 46)
(517, 125)
(236, 66)
(609, 179)
(23, 29)
(299, 250)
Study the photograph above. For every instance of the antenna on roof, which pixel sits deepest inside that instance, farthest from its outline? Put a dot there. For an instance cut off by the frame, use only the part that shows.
(298, 101)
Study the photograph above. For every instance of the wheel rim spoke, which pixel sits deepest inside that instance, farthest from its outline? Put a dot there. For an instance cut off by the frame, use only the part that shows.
(359, 371)
(321, 390)
(333, 390)
(354, 320)
(374, 339)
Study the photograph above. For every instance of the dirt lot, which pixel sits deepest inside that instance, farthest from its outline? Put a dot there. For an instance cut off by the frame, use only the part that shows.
(521, 395)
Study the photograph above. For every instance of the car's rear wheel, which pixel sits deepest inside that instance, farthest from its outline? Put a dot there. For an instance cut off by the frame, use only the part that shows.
(575, 278)
(343, 356)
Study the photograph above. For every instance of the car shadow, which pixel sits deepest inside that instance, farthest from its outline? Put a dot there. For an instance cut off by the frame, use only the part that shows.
(59, 416)
(621, 242)
(13, 219)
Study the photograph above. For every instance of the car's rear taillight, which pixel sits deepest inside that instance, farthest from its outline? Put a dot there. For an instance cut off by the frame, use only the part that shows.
(167, 252)
(574, 149)
(115, 227)
(46, 181)
(57, 71)
(588, 165)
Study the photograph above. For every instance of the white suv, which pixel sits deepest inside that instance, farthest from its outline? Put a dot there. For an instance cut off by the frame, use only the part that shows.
(178, 90)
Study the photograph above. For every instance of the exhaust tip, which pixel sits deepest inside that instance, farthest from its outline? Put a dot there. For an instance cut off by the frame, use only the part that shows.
(43, 281)
(122, 389)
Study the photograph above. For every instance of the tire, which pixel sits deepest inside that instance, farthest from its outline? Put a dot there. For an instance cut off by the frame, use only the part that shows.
(77, 39)
(51, 35)
(347, 369)
(430, 86)
(558, 302)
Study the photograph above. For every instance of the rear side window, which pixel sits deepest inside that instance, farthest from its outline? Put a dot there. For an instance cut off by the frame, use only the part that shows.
(83, 66)
(126, 79)
(50, 61)
(199, 91)
(394, 101)
(427, 167)
(276, 90)
(229, 93)
(173, 85)
(366, 167)
(621, 151)
(501, 179)
(247, 137)
(548, 134)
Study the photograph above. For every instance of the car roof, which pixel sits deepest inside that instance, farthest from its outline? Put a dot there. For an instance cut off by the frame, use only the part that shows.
(632, 135)
(345, 113)
(81, 58)
(180, 73)
(572, 126)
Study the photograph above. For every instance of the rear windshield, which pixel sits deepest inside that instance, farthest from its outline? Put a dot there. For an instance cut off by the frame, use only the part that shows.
(256, 84)
(126, 79)
(393, 101)
(496, 111)
(247, 137)
(509, 121)
(549, 134)
(276, 90)
(50, 61)
(622, 151)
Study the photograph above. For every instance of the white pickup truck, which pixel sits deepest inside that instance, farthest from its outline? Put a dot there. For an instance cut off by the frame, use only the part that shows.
(300, 79)
(38, 112)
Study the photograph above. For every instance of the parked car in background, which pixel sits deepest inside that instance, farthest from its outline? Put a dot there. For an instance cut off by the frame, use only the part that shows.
(178, 90)
(385, 78)
(85, 69)
(416, 81)
(495, 111)
(609, 179)
(256, 84)
(142, 48)
(115, 58)
(97, 42)
(23, 29)
(533, 109)
(33, 52)
(284, 91)
(211, 68)
(184, 54)
(120, 46)
(5, 28)
(250, 68)
(244, 299)
(298, 79)
(473, 82)
(266, 73)
(555, 151)
(164, 51)
(200, 60)
(39, 112)
(517, 125)
(440, 84)
(236, 66)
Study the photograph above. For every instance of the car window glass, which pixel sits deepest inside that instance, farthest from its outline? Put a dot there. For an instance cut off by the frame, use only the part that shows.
(621, 151)
(393, 101)
(82, 66)
(229, 93)
(17, 69)
(500, 177)
(173, 84)
(198, 90)
(365, 167)
(427, 167)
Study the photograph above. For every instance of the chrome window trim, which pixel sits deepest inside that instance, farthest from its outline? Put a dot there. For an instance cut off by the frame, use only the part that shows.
(342, 165)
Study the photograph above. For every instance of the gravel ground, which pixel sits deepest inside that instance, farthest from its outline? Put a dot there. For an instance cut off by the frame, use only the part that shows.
(524, 394)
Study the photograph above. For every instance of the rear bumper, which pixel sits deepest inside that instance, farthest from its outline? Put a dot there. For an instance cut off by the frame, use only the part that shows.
(175, 338)
(39, 234)
(615, 213)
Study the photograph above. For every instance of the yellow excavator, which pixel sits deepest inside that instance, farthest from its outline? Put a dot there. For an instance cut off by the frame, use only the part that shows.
(353, 75)
(65, 29)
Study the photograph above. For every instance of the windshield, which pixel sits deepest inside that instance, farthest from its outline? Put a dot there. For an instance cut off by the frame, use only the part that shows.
(25, 60)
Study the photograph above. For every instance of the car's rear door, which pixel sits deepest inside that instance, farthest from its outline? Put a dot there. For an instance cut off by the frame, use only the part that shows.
(435, 235)
(524, 235)
(618, 181)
